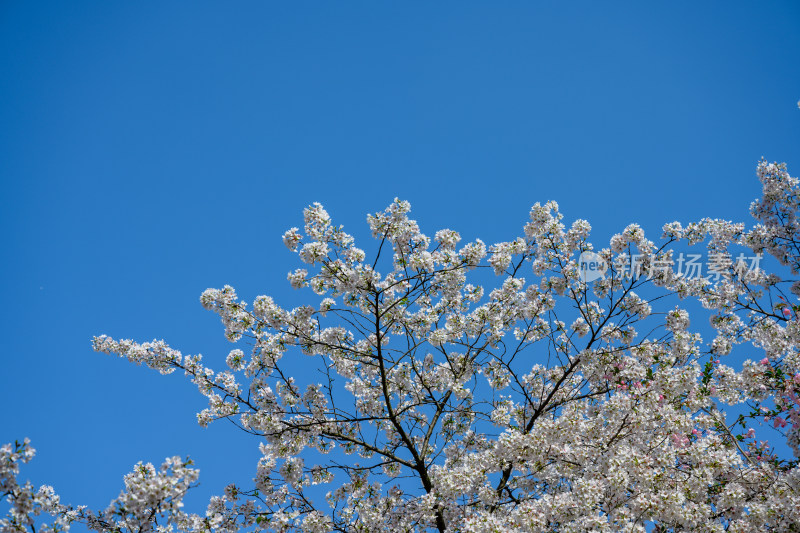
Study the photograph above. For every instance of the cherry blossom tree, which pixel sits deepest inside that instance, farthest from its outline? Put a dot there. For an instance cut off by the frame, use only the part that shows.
(492, 388)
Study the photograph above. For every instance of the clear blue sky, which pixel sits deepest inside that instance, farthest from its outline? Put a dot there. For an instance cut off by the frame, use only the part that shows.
(150, 150)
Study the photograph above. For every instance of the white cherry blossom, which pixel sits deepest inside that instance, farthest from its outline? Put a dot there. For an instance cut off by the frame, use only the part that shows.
(488, 388)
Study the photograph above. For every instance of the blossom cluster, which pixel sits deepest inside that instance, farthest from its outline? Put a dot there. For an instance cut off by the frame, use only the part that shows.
(473, 387)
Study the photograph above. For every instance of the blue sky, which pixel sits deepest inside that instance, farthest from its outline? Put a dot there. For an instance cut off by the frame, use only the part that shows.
(151, 150)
